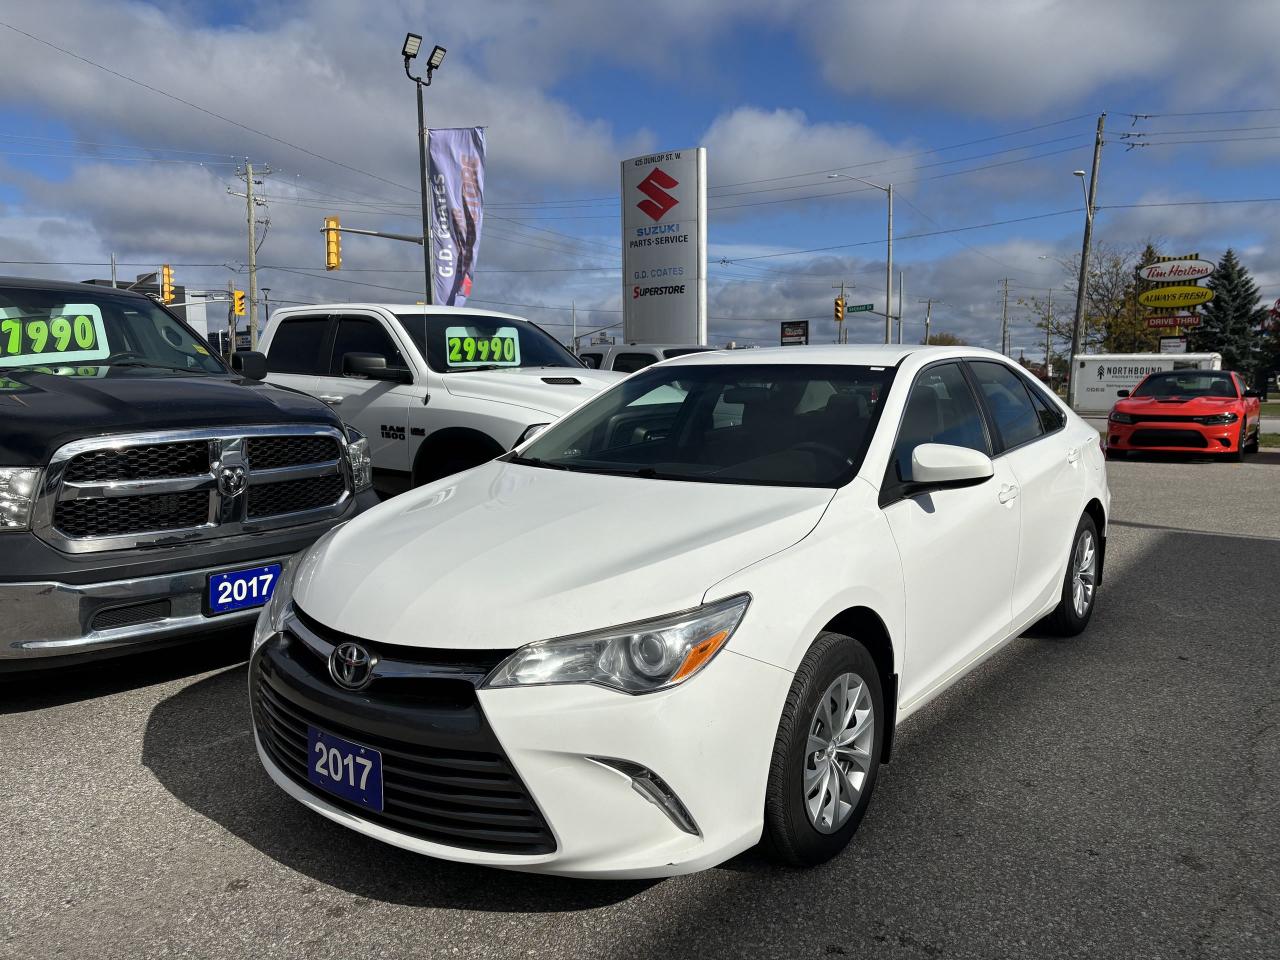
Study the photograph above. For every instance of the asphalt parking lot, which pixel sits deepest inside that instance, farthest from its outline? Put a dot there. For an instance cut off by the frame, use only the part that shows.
(1114, 795)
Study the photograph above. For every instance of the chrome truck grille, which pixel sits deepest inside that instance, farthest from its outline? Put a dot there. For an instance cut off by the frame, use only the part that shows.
(115, 492)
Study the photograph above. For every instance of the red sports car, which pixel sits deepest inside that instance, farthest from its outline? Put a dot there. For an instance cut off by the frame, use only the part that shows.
(1186, 411)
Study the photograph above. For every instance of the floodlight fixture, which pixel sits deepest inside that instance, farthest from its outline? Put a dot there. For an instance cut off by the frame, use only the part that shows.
(412, 43)
(437, 58)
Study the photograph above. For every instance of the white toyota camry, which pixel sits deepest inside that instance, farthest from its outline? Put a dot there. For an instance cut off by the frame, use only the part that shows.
(684, 618)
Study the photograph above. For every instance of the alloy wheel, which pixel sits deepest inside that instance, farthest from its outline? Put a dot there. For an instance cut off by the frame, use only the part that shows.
(1084, 572)
(838, 755)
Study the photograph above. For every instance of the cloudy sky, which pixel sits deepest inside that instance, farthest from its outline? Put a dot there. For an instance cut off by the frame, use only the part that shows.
(122, 125)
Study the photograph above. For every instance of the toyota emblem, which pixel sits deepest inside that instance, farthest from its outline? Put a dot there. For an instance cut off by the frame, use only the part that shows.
(232, 480)
(351, 666)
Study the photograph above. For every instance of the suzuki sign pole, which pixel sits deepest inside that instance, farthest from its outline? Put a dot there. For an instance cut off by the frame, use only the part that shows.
(664, 247)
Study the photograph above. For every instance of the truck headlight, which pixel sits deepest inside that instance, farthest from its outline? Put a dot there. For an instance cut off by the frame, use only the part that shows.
(634, 658)
(17, 496)
(271, 620)
(359, 460)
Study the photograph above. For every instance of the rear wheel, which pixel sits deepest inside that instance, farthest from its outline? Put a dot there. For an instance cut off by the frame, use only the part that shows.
(827, 753)
(1080, 586)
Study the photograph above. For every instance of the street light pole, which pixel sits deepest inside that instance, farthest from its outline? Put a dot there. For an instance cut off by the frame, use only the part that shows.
(412, 43)
(1089, 205)
(888, 262)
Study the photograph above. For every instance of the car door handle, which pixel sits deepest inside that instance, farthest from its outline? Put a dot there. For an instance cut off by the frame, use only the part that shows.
(1008, 492)
(331, 401)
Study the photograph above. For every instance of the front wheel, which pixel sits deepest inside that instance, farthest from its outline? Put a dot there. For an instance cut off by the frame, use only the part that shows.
(827, 753)
(1080, 586)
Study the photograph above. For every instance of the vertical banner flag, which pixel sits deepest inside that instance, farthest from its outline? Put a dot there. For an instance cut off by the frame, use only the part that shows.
(456, 175)
(664, 247)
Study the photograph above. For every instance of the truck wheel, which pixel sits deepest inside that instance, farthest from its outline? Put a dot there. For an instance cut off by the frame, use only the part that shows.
(445, 459)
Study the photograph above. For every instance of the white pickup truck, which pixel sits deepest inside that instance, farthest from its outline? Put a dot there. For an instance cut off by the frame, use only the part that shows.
(436, 390)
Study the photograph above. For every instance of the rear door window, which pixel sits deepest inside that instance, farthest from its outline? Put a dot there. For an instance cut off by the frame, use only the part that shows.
(296, 346)
(631, 362)
(1009, 403)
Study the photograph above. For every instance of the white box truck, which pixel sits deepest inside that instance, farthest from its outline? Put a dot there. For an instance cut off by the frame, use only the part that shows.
(1098, 378)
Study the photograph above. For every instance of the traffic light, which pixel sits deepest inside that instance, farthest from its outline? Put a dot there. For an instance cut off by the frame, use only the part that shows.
(839, 312)
(237, 302)
(166, 284)
(332, 244)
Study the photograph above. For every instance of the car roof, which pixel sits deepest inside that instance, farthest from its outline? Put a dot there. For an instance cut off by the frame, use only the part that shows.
(68, 286)
(853, 354)
(409, 308)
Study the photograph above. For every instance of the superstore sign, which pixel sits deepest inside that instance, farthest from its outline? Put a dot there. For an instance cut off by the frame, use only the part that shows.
(664, 247)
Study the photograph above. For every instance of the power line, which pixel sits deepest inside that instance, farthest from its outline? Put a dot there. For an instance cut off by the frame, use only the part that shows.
(1185, 203)
(205, 110)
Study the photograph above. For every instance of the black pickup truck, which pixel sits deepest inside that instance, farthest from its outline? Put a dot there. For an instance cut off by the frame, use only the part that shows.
(147, 492)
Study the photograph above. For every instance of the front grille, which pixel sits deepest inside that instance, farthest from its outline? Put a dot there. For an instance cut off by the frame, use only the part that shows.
(114, 516)
(108, 488)
(1192, 439)
(156, 461)
(463, 798)
(270, 453)
(131, 616)
(288, 496)
(1161, 418)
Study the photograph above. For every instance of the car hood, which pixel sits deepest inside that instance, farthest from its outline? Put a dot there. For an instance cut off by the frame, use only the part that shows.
(1177, 406)
(532, 387)
(39, 412)
(506, 554)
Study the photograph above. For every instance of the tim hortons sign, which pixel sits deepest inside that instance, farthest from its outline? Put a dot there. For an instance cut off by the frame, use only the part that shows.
(1186, 271)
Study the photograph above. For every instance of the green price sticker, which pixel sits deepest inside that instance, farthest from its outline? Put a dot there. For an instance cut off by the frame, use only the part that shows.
(469, 347)
(76, 333)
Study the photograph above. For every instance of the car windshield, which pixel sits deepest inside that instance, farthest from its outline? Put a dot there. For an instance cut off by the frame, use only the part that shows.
(774, 425)
(1187, 383)
(94, 333)
(463, 341)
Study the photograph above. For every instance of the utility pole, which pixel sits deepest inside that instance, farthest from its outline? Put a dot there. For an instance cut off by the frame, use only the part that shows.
(1048, 333)
(902, 299)
(928, 316)
(250, 202)
(231, 320)
(888, 273)
(840, 323)
(266, 304)
(1004, 319)
(1082, 288)
(113, 269)
(573, 307)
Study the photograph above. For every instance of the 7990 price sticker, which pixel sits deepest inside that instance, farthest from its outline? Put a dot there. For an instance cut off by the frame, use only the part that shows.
(78, 336)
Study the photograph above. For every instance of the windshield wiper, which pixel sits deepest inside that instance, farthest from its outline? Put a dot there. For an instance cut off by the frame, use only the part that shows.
(150, 365)
(483, 366)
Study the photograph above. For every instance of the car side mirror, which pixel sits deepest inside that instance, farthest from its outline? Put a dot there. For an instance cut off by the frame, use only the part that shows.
(373, 366)
(250, 364)
(1253, 394)
(1122, 394)
(940, 465)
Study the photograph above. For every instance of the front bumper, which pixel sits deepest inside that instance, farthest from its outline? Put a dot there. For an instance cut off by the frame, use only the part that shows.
(1184, 437)
(60, 608)
(709, 740)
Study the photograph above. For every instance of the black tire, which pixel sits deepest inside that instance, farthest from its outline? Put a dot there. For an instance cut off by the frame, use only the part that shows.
(445, 462)
(1065, 621)
(790, 835)
(1257, 438)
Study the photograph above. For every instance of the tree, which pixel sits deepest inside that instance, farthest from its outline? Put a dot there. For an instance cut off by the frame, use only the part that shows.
(944, 339)
(1233, 321)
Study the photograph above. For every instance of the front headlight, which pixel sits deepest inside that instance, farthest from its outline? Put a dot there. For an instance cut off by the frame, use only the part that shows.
(271, 620)
(17, 496)
(1218, 419)
(360, 460)
(1121, 418)
(634, 658)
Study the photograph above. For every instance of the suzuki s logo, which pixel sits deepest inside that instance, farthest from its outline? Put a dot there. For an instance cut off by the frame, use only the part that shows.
(232, 480)
(655, 187)
(351, 666)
